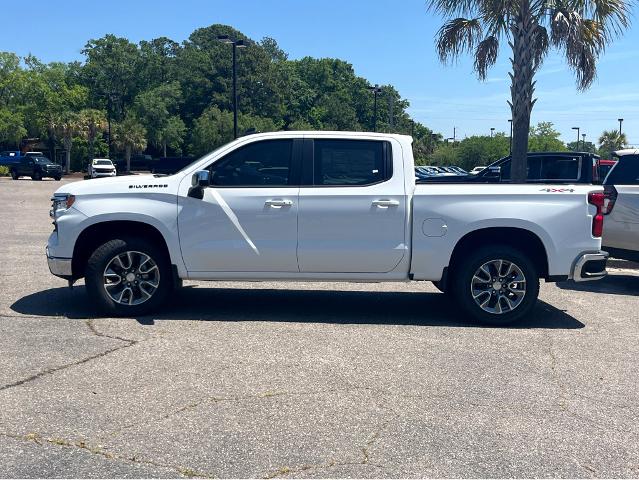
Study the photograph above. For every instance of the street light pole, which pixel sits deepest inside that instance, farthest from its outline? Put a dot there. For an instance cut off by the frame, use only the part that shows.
(577, 128)
(376, 89)
(235, 45)
(583, 144)
(620, 122)
(492, 131)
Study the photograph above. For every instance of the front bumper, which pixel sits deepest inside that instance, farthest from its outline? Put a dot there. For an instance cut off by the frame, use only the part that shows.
(104, 174)
(590, 266)
(60, 267)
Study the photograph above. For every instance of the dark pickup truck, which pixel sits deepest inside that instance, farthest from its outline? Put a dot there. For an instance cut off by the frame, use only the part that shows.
(543, 167)
(36, 167)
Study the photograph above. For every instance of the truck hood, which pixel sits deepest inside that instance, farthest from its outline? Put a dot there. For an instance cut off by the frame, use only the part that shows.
(126, 184)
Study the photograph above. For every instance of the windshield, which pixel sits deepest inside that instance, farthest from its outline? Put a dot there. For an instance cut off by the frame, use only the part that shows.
(43, 161)
(102, 162)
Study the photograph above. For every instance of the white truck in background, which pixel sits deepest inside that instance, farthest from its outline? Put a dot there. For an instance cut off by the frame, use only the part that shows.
(308, 206)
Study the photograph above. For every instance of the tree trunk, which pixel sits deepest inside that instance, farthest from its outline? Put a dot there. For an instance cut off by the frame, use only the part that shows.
(127, 153)
(164, 148)
(67, 154)
(521, 89)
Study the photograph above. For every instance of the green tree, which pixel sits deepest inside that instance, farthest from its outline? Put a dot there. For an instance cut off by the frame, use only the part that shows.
(11, 127)
(92, 123)
(544, 138)
(130, 136)
(111, 71)
(444, 154)
(610, 141)
(579, 29)
(68, 125)
(482, 150)
(582, 146)
(172, 134)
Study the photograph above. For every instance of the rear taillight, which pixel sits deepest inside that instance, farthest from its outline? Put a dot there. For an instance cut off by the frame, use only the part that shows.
(610, 197)
(597, 199)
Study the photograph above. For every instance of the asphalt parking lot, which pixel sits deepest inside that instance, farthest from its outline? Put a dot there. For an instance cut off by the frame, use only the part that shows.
(307, 380)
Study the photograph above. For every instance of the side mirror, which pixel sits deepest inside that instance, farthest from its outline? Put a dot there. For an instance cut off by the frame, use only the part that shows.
(201, 178)
(199, 181)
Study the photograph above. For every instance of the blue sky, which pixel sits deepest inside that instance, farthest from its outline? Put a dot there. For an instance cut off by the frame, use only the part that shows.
(386, 41)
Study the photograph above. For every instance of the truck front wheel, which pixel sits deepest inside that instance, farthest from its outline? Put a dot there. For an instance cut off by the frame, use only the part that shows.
(128, 277)
(496, 284)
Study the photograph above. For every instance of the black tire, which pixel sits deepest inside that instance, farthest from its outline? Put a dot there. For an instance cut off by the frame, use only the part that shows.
(100, 259)
(14, 175)
(464, 273)
(37, 176)
(57, 179)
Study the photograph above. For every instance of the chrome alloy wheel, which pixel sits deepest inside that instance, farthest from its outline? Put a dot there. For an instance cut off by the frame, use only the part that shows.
(131, 278)
(498, 286)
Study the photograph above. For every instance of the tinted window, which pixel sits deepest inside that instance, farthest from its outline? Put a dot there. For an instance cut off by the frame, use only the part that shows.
(561, 167)
(350, 162)
(625, 172)
(256, 164)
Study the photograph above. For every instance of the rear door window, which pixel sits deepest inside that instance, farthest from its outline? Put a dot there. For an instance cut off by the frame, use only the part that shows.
(351, 162)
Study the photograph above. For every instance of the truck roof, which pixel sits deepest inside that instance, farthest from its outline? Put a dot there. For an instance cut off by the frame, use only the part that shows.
(328, 133)
(627, 151)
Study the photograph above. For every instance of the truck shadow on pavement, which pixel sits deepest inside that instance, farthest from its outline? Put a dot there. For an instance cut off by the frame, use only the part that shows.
(307, 306)
(614, 284)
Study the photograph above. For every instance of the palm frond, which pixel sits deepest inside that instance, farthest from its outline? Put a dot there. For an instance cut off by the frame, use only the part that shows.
(540, 46)
(486, 55)
(613, 15)
(453, 8)
(582, 51)
(457, 36)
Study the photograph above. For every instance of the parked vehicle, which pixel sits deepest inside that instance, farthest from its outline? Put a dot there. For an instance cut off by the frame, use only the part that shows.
(543, 167)
(37, 168)
(307, 206)
(10, 157)
(604, 167)
(621, 219)
(101, 167)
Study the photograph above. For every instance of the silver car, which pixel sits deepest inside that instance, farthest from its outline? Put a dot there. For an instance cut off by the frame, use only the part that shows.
(621, 220)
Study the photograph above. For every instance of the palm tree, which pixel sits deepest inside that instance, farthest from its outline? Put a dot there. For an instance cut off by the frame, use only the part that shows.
(68, 126)
(611, 140)
(129, 135)
(93, 122)
(579, 29)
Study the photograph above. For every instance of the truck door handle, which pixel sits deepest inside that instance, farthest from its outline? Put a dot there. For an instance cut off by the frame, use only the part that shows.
(385, 203)
(278, 203)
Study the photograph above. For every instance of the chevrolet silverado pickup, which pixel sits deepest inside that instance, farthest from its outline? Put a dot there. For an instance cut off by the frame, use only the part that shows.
(323, 206)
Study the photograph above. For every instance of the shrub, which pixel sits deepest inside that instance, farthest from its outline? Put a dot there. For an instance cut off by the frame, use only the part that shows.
(4, 171)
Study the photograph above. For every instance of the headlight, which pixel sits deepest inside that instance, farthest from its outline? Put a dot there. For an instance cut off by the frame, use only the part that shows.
(61, 201)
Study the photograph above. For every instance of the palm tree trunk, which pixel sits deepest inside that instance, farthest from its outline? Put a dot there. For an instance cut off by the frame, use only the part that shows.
(67, 154)
(521, 89)
(127, 153)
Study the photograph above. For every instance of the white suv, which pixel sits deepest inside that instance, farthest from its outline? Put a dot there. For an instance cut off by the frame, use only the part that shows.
(101, 167)
(621, 222)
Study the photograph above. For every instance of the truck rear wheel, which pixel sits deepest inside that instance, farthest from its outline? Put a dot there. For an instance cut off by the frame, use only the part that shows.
(496, 284)
(14, 175)
(36, 176)
(128, 277)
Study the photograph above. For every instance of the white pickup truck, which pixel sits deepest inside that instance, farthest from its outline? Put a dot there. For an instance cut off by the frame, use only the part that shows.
(309, 206)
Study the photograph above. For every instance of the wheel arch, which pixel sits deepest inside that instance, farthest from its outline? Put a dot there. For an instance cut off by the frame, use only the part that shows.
(525, 240)
(99, 233)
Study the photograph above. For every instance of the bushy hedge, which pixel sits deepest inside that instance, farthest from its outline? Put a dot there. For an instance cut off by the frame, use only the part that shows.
(4, 171)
